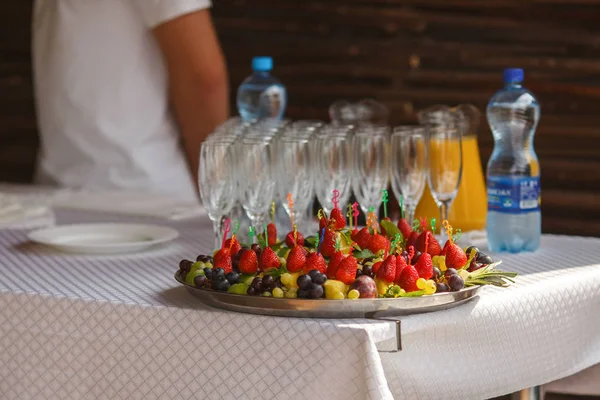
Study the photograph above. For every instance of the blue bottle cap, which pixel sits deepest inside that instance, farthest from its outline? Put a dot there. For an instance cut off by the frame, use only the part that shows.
(513, 75)
(262, 64)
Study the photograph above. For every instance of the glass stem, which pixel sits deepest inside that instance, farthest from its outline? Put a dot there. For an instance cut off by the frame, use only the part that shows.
(410, 213)
(444, 209)
(217, 230)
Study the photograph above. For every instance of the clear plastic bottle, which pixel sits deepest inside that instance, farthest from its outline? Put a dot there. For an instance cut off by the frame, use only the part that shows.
(261, 95)
(514, 219)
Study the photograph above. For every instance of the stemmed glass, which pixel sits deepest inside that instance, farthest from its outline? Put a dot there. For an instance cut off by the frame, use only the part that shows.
(256, 177)
(216, 181)
(409, 166)
(332, 163)
(295, 176)
(371, 165)
(444, 149)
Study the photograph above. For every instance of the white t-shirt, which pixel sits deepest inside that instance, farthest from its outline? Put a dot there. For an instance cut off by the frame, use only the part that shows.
(102, 100)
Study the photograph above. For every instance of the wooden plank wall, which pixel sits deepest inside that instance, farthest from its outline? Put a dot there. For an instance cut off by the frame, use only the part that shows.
(409, 55)
(416, 53)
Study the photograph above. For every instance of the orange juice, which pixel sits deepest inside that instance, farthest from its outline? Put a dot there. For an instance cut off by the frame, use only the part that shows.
(469, 208)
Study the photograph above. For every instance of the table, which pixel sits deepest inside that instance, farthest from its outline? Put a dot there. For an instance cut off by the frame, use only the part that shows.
(120, 327)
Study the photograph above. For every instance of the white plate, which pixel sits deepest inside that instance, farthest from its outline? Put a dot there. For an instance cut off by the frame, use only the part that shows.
(103, 238)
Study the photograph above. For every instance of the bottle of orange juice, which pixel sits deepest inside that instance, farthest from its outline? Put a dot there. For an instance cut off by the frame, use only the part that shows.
(469, 208)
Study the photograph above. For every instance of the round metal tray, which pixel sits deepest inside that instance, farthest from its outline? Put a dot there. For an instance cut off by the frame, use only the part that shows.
(306, 308)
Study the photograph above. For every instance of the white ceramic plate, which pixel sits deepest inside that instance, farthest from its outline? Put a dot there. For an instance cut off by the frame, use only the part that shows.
(103, 238)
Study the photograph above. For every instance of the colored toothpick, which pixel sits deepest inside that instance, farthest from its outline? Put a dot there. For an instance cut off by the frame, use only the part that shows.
(349, 215)
(291, 207)
(433, 222)
(457, 235)
(372, 219)
(295, 234)
(266, 235)
(355, 214)
(448, 229)
(411, 253)
(226, 230)
(336, 198)
(416, 225)
(337, 244)
(320, 214)
(395, 241)
(251, 234)
(321, 237)
(384, 200)
(273, 212)
(401, 202)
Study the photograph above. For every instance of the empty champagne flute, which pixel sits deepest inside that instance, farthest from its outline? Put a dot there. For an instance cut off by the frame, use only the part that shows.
(408, 169)
(444, 161)
(216, 181)
(295, 176)
(256, 177)
(370, 165)
(332, 163)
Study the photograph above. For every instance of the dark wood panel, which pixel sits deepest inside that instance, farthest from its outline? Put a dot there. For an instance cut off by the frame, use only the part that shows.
(409, 54)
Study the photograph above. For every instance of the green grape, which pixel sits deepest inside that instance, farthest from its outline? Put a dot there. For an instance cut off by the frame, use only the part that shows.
(430, 287)
(189, 278)
(197, 265)
(353, 294)
(266, 294)
(338, 296)
(238, 288)
(286, 279)
(278, 293)
(421, 283)
(292, 293)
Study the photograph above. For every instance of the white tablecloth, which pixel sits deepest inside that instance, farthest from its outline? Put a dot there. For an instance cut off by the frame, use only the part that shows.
(120, 327)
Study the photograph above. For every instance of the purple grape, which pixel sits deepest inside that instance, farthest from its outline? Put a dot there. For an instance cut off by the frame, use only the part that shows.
(484, 259)
(313, 273)
(315, 291)
(416, 257)
(456, 282)
(257, 284)
(441, 287)
(232, 277)
(218, 274)
(267, 282)
(208, 273)
(304, 282)
(319, 279)
(359, 272)
(203, 258)
(184, 267)
(256, 248)
(367, 270)
(200, 281)
(303, 293)
(436, 273)
(251, 291)
(449, 272)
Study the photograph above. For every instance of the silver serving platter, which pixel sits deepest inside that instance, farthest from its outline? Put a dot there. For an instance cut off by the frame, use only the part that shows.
(321, 308)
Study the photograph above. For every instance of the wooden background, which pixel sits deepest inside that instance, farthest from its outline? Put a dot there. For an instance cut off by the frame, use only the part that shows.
(406, 54)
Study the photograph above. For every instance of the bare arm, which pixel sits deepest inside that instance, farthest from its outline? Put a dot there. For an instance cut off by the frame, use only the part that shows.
(198, 82)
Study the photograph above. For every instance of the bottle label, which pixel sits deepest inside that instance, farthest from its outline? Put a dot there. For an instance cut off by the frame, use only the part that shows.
(513, 195)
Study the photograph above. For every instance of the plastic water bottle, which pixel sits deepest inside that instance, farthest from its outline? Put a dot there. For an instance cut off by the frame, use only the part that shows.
(261, 95)
(514, 220)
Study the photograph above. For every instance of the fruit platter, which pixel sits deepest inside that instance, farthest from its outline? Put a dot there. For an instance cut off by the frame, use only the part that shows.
(384, 268)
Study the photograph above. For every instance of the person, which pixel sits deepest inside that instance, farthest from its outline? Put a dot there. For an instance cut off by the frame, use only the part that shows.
(126, 90)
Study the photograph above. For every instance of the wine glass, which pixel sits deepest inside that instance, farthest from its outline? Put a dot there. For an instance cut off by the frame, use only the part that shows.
(444, 161)
(370, 165)
(332, 163)
(216, 181)
(255, 177)
(408, 166)
(295, 176)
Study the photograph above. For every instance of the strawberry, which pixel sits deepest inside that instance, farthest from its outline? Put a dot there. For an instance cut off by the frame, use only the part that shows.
(315, 261)
(455, 257)
(338, 216)
(434, 248)
(412, 239)
(361, 238)
(424, 266)
(268, 259)
(248, 262)
(378, 243)
(323, 223)
(408, 279)
(334, 263)
(328, 246)
(404, 227)
(296, 258)
(387, 271)
(289, 239)
(346, 271)
(222, 259)
(375, 267)
(235, 247)
(272, 233)
(400, 265)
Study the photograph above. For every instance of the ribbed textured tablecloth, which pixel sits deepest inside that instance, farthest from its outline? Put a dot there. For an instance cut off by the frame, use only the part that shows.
(120, 327)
